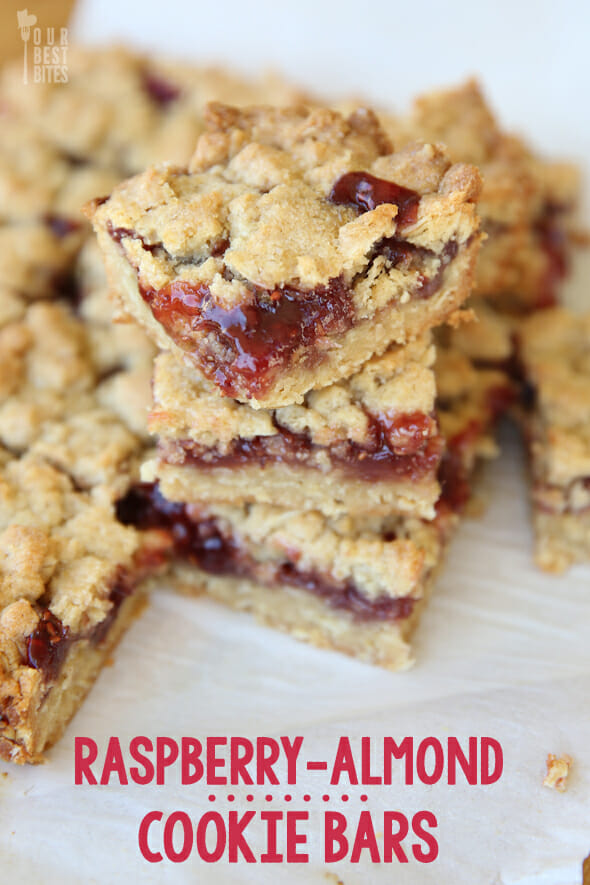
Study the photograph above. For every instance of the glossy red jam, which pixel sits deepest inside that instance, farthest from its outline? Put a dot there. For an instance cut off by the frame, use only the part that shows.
(401, 447)
(211, 546)
(365, 191)
(247, 344)
(47, 645)
(50, 641)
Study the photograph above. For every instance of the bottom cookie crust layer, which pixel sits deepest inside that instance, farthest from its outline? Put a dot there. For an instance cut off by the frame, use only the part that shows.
(308, 618)
(330, 492)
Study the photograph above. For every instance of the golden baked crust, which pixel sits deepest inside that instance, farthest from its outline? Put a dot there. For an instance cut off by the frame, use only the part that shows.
(307, 618)
(554, 347)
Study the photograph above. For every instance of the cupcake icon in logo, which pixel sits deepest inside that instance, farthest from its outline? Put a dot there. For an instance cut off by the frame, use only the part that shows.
(25, 21)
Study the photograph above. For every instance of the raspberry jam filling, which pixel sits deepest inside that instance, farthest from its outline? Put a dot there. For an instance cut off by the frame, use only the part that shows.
(248, 343)
(161, 91)
(405, 447)
(366, 192)
(203, 541)
(243, 348)
(409, 257)
(121, 233)
(47, 646)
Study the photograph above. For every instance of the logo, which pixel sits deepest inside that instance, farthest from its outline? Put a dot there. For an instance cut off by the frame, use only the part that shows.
(50, 47)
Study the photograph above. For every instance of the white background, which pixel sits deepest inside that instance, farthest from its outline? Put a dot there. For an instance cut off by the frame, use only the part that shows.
(502, 649)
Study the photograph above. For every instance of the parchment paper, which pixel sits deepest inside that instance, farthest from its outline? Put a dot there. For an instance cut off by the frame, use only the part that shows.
(502, 650)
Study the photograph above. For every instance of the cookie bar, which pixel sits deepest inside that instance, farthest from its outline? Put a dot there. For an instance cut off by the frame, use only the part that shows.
(368, 444)
(69, 570)
(554, 350)
(293, 248)
(67, 583)
(352, 585)
(526, 204)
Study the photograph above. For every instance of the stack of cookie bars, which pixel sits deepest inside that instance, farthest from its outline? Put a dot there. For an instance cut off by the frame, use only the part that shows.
(312, 452)
(292, 274)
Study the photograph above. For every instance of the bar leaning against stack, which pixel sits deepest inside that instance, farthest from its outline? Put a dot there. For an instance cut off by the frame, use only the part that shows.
(292, 274)
(554, 352)
(527, 203)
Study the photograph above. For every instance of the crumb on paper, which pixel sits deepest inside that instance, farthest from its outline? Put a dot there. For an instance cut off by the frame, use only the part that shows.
(558, 768)
(332, 877)
(586, 871)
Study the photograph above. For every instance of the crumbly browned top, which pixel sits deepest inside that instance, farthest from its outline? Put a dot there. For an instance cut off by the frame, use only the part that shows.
(343, 549)
(554, 347)
(187, 406)
(58, 379)
(517, 185)
(123, 110)
(73, 407)
(257, 190)
(58, 544)
(38, 180)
